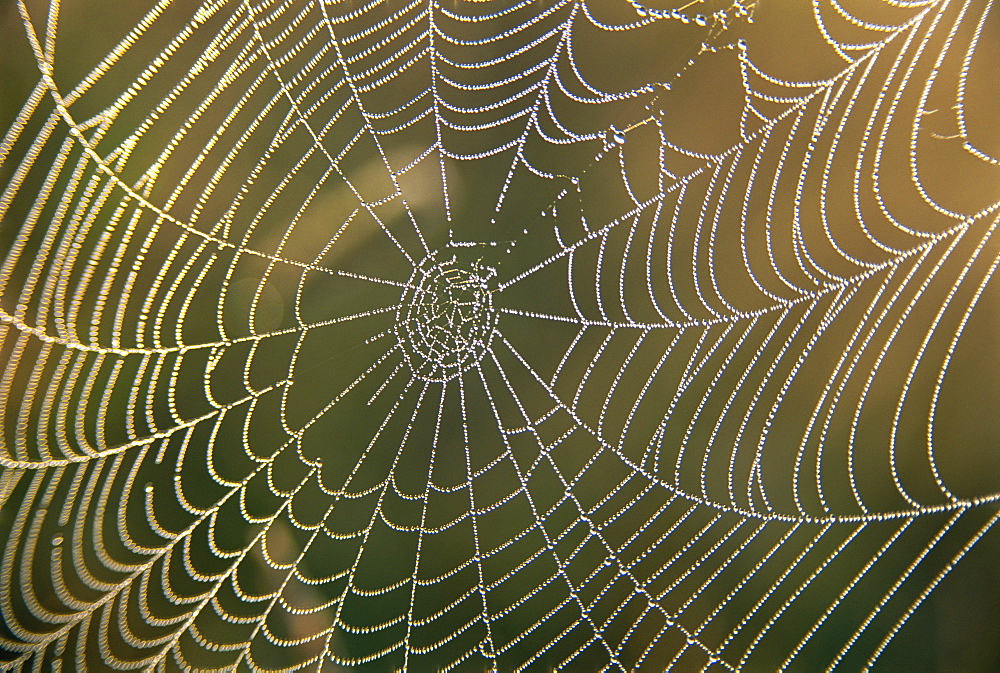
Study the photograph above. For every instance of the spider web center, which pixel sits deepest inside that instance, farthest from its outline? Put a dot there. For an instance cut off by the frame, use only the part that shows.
(446, 318)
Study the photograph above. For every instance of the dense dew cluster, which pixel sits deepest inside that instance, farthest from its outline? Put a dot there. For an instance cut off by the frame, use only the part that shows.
(446, 318)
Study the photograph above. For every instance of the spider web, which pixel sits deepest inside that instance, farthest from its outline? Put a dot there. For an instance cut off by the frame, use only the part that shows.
(493, 335)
